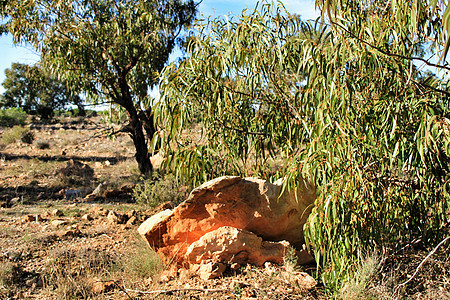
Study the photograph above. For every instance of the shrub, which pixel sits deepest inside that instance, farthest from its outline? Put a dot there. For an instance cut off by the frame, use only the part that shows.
(158, 190)
(75, 173)
(13, 134)
(12, 117)
(27, 137)
(42, 144)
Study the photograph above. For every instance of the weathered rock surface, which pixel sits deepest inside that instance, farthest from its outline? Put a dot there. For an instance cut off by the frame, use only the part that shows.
(249, 204)
(211, 270)
(232, 245)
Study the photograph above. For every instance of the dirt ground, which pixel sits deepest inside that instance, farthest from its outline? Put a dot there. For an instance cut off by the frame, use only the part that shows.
(56, 243)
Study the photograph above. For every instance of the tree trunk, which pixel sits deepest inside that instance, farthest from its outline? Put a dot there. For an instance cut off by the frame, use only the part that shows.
(140, 143)
(146, 118)
(134, 128)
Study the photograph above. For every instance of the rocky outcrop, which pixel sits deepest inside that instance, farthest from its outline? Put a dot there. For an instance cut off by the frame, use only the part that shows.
(232, 245)
(253, 207)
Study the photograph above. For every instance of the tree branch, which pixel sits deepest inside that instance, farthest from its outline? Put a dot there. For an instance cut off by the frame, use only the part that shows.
(243, 131)
(421, 264)
(160, 292)
(392, 54)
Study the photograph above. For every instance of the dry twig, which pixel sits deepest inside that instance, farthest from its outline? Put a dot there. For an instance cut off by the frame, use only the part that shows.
(160, 292)
(397, 288)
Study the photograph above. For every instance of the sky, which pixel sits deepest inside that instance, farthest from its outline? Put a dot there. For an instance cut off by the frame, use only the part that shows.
(10, 53)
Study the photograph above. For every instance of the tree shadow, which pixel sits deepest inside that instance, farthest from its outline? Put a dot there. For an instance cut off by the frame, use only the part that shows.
(112, 159)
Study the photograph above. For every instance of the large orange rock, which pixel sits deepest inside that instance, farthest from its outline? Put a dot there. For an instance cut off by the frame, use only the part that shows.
(250, 204)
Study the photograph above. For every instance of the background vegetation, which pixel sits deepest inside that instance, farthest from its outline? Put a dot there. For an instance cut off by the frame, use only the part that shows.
(37, 92)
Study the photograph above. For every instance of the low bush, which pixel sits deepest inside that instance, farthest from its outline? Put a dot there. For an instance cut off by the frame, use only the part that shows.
(12, 117)
(42, 144)
(13, 134)
(27, 137)
(158, 190)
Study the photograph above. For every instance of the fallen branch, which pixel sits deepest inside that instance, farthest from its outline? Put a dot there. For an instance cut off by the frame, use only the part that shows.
(160, 292)
(421, 264)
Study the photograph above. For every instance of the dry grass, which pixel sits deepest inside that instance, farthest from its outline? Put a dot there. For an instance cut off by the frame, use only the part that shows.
(379, 277)
(357, 287)
(92, 274)
(14, 134)
(70, 272)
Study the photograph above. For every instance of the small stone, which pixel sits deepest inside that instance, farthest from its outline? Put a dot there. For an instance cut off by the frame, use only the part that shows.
(57, 223)
(57, 213)
(166, 277)
(28, 218)
(100, 189)
(87, 217)
(132, 220)
(184, 274)
(98, 210)
(211, 270)
(235, 267)
(269, 269)
(304, 280)
(112, 217)
(100, 287)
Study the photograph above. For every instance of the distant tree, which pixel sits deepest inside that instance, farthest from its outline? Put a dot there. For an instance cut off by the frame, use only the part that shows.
(111, 49)
(36, 92)
(2, 13)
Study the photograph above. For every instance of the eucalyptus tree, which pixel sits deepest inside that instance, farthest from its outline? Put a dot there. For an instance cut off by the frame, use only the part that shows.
(110, 49)
(340, 104)
(36, 92)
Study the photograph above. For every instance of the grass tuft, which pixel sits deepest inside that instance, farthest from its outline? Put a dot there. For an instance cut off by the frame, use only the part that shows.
(365, 271)
(13, 134)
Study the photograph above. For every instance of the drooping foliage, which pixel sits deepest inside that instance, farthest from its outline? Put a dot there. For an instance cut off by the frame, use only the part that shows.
(36, 92)
(346, 106)
(112, 50)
